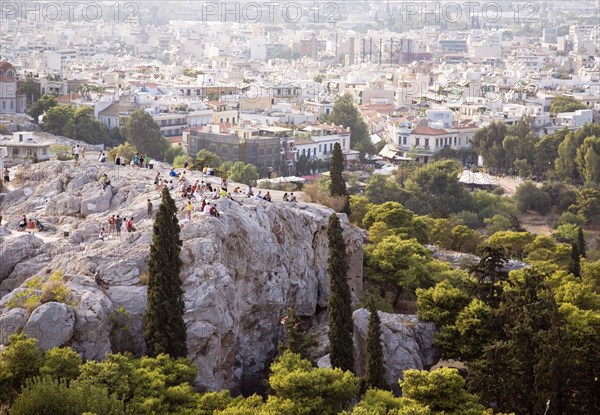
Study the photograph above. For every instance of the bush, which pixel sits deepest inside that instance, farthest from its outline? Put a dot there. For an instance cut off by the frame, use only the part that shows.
(316, 194)
(127, 151)
(61, 363)
(62, 152)
(180, 160)
(44, 395)
(470, 219)
(530, 197)
(571, 218)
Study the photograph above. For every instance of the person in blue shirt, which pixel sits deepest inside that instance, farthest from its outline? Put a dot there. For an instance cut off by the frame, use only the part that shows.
(172, 173)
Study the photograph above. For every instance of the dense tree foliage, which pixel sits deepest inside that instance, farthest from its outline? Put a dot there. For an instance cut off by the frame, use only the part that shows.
(566, 104)
(42, 105)
(141, 131)
(346, 114)
(374, 364)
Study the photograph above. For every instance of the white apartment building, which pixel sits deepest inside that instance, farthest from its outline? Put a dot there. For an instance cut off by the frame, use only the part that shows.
(429, 135)
(574, 119)
(318, 140)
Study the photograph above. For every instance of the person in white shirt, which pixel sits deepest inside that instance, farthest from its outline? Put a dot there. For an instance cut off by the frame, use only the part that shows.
(206, 209)
(249, 191)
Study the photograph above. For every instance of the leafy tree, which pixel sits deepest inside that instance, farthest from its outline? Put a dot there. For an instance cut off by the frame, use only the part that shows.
(311, 390)
(442, 390)
(487, 142)
(42, 105)
(345, 113)
(497, 223)
(359, 206)
(126, 150)
(489, 273)
(546, 152)
(402, 265)
(57, 118)
(588, 205)
(172, 153)
(381, 189)
(374, 365)
(141, 131)
(180, 161)
(566, 163)
(511, 243)
(588, 159)
(339, 305)
(531, 197)
(20, 360)
(566, 104)
(464, 239)
(338, 184)
(165, 330)
(296, 339)
(575, 265)
(205, 158)
(61, 363)
(441, 303)
(243, 173)
(85, 127)
(45, 395)
(581, 244)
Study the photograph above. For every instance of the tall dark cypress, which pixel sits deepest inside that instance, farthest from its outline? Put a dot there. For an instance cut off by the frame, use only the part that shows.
(165, 330)
(339, 305)
(375, 369)
(581, 243)
(338, 185)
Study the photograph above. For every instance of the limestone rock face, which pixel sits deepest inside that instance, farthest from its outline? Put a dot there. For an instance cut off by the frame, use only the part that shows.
(11, 322)
(407, 344)
(240, 274)
(51, 324)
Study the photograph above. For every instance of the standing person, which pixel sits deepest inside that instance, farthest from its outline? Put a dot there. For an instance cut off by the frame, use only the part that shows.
(83, 153)
(101, 236)
(118, 160)
(76, 151)
(149, 208)
(1, 214)
(118, 224)
(157, 181)
(112, 221)
(136, 160)
(188, 210)
(6, 176)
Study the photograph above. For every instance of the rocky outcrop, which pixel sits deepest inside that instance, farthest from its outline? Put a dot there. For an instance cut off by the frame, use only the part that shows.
(52, 324)
(240, 271)
(407, 344)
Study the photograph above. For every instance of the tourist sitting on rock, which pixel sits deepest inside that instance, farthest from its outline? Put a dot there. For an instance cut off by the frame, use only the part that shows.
(292, 198)
(206, 209)
(249, 191)
(129, 225)
(173, 173)
(285, 197)
(259, 195)
(104, 181)
(213, 211)
(237, 190)
(267, 197)
(23, 223)
(31, 225)
(102, 158)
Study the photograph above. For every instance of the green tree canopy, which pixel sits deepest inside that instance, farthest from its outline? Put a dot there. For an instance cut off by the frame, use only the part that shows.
(566, 104)
(345, 113)
(141, 131)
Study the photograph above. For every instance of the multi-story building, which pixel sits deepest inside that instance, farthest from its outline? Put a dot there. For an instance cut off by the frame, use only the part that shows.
(11, 101)
(429, 135)
(258, 146)
(317, 141)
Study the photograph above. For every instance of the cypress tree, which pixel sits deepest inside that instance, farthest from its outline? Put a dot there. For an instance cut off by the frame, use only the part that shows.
(339, 304)
(581, 243)
(374, 370)
(165, 330)
(338, 185)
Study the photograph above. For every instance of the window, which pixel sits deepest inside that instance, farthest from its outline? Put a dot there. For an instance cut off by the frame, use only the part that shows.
(454, 140)
(320, 148)
(224, 150)
(3, 105)
(12, 105)
(427, 142)
(417, 141)
(331, 147)
(15, 151)
(460, 141)
(404, 140)
(44, 151)
(344, 143)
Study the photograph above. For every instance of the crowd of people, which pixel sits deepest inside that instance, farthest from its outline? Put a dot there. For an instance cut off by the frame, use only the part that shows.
(195, 196)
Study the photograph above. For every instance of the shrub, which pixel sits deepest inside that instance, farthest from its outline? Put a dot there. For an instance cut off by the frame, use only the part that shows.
(179, 161)
(62, 152)
(571, 218)
(61, 363)
(530, 197)
(44, 395)
(316, 194)
(470, 219)
(37, 292)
